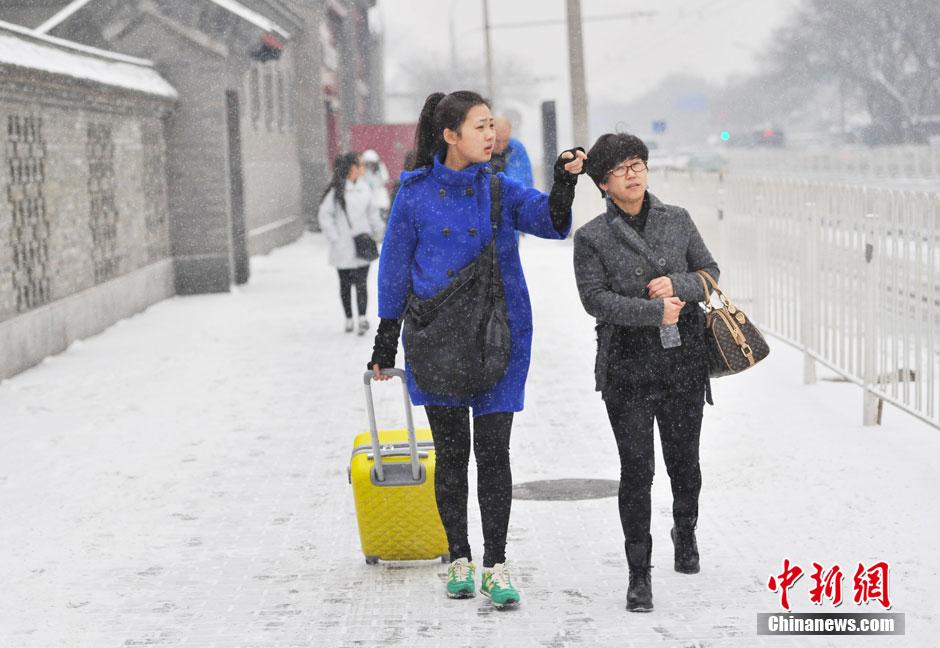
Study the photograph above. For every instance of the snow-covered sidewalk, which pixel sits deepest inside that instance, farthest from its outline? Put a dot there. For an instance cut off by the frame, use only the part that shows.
(180, 480)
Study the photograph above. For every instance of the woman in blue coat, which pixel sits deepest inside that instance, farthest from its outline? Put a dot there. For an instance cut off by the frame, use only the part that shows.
(439, 223)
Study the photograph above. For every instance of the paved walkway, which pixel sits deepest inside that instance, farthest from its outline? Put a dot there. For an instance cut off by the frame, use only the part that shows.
(180, 480)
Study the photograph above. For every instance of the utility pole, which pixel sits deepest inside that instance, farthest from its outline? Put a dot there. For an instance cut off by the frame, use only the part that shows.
(489, 53)
(579, 103)
(453, 41)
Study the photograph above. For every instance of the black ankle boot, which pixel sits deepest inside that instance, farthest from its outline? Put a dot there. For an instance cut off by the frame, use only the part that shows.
(686, 554)
(640, 589)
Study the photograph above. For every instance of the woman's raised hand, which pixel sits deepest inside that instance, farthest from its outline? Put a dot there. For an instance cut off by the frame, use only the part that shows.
(576, 165)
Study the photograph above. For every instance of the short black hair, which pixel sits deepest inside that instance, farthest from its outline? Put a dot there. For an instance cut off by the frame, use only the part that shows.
(611, 149)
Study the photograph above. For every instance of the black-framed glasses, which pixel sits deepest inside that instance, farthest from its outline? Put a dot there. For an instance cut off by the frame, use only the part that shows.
(638, 167)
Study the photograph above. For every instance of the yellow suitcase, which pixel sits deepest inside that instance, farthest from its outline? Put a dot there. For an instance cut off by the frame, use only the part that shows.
(394, 488)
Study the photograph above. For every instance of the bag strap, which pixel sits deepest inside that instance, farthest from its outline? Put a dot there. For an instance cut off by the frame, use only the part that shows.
(495, 216)
(337, 206)
(495, 202)
(707, 291)
(709, 281)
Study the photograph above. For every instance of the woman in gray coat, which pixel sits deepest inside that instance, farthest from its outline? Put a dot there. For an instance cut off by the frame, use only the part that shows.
(635, 267)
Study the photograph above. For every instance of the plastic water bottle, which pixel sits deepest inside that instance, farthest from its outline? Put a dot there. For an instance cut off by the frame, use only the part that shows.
(669, 336)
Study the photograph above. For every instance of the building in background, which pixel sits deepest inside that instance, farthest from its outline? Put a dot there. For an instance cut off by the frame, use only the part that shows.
(227, 146)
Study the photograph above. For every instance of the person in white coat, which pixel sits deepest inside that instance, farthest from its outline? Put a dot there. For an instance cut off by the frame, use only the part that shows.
(376, 174)
(347, 210)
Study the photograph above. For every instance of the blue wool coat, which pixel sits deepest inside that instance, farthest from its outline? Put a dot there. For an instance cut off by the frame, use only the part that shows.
(439, 223)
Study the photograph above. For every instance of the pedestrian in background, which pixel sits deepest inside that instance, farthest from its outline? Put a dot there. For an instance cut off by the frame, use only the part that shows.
(347, 210)
(376, 176)
(636, 272)
(440, 223)
(510, 156)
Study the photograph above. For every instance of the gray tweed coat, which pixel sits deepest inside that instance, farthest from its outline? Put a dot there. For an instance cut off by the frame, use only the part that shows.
(613, 264)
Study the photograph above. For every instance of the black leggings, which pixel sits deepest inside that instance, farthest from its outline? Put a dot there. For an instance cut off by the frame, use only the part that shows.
(678, 410)
(348, 277)
(450, 427)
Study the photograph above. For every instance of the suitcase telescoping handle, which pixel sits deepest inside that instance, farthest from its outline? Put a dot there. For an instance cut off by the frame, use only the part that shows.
(373, 427)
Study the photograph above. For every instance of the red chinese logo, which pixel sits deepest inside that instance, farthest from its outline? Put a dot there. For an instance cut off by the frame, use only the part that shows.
(828, 585)
(870, 584)
(784, 581)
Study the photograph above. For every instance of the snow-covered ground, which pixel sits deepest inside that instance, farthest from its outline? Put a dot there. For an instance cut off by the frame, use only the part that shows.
(180, 480)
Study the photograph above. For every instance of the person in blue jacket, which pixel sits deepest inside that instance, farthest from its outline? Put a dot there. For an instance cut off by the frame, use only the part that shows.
(510, 155)
(439, 223)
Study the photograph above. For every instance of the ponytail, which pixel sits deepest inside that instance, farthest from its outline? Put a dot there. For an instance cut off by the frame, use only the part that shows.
(341, 166)
(427, 139)
(441, 111)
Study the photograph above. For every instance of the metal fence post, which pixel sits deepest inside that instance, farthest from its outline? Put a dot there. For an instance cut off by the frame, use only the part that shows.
(808, 295)
(760, 296)
(871, 403)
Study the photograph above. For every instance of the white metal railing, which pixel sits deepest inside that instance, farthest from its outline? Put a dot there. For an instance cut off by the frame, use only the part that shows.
(912, 162)
(850, 275)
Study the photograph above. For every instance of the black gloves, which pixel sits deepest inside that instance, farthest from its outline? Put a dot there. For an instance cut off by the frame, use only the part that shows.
(386, 344)
(559, 174)
(562, 193)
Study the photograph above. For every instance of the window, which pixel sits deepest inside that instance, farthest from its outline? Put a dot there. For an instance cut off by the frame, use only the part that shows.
(254, 96)
(269, 99)
(281, 101)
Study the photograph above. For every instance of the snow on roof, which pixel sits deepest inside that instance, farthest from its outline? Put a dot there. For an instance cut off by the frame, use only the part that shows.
(232, 6)
(21, 47)
(251, 16)
(61, 16)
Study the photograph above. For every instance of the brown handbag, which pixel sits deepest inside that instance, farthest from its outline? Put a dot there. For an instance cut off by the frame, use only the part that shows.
(734, 343)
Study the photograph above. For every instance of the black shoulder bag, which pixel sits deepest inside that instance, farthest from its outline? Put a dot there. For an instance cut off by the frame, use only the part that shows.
(366, 249)
(457, 343)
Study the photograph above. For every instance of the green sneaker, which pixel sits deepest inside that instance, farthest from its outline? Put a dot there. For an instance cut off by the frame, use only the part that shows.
(460, 579)
(497, 586)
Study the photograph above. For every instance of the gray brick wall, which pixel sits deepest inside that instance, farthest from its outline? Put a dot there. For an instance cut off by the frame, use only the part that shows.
(65, 112)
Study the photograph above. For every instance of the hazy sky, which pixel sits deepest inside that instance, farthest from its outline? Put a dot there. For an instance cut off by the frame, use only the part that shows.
(624, 57)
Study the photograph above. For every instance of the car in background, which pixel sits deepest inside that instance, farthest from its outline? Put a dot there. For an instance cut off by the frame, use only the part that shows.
(688, 160)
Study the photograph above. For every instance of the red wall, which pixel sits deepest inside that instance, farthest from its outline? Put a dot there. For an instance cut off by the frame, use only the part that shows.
(390, 141)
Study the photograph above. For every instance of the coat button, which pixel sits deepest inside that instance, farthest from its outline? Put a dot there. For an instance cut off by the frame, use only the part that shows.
(450, 273)
(468, 191)
(442, 192)
(638, 272)
(472, 231)
(446, 231)
(662, 262)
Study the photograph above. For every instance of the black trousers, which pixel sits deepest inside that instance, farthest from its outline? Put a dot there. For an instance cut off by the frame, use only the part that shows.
(677, 408)
(450, 427)
(348, 278)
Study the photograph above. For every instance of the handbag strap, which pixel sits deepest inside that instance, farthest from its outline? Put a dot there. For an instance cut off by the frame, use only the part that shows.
(727, 315)
(709, 281)
(707, 291)
(495, 202)
(337, 206)
(495, 215)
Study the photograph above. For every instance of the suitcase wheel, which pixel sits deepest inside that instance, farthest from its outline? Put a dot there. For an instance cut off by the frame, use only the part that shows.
(372, 560)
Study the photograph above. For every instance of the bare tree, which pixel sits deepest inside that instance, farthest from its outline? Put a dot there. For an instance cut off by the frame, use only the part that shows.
(889, 52)
(420, 75)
